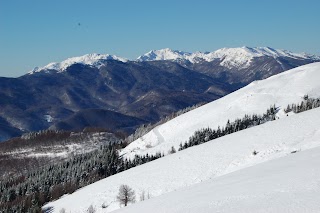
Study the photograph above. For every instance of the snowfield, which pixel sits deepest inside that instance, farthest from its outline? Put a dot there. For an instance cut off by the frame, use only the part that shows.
(282, 89)
(289, 184)
(224, 175)
(269, 187)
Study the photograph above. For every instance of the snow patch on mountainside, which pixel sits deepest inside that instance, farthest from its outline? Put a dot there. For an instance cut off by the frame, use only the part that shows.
(273, 140)
(90, 142)
(283, 89)
(88, 59)
(48, 118)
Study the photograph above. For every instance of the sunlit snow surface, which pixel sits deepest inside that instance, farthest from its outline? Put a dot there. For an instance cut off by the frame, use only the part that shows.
(217, 158)
(289, 184)
(283, 89)
(222, 168)
(229, 57)
(88, 59)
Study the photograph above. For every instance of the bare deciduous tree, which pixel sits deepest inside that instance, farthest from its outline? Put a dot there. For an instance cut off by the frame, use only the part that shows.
(142, 195)
(126, 195)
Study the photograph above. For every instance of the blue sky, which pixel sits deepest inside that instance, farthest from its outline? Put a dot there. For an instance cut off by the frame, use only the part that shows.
(36, 32)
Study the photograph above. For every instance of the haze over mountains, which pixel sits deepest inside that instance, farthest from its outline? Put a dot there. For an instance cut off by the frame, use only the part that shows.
(141, 91)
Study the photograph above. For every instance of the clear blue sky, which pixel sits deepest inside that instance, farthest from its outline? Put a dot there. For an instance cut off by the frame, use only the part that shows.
(36, 32)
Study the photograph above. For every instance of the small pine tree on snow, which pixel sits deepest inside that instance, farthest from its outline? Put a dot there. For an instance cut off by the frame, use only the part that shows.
(172, 150)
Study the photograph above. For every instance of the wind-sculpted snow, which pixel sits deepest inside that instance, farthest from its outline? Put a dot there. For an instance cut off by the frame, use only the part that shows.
(282, 89)
(211, 161)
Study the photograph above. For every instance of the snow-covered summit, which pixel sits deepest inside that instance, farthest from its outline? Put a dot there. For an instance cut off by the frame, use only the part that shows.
(163, 54)
(93, 59)
(229, 57)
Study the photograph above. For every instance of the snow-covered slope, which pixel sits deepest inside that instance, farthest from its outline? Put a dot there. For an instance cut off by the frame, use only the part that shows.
(289, 184)
(88, 59)
(227, 154)
(229, 57)
(283, 89)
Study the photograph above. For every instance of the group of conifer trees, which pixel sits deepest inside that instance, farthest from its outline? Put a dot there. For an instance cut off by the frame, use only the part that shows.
(207, 134)
(30, 191)
(306, 104)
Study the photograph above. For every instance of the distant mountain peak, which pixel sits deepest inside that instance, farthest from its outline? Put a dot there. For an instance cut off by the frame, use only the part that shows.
(163, 54)
(93, 59)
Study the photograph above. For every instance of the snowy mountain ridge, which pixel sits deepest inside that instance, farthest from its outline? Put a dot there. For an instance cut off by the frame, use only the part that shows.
(285, 88)
(228, 57)
(93, 59)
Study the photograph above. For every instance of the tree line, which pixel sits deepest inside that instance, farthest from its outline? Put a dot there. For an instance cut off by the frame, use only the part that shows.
(208, 134)
(29, 192)
(306, 104)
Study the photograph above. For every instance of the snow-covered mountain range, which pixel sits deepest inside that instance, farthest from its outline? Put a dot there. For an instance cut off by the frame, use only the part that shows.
(138, 88)
(284, 165)
(228, 57)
